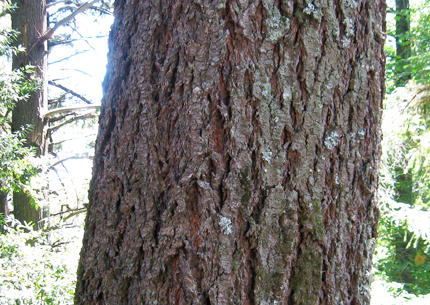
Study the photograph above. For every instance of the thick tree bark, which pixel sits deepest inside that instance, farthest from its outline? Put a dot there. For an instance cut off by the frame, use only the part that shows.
(237, 156)
(403, 43)
(30, 20)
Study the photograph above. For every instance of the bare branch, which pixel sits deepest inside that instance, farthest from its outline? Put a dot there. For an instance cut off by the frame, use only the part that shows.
(102, 10)
(68, 7)
(83, 210)
(57, 100)
(68, 109)
(68, 211)
(51, 31)
(68, 57)
(68, 158)
(66, 41)
(55, 3)
(61, 117)
(76, 118)
(70, 91)
(80, 71)
(71, 139)
(82, 36)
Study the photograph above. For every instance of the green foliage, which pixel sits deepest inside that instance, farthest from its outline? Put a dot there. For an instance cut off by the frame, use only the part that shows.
(16, 160)
(404, 258)
(15, 86)
(417, 66)
(403, 251)
(37, 267)
(392, 293)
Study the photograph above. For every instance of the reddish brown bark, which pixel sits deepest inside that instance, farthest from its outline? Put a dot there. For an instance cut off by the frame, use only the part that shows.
(237, 156)
(30, 19)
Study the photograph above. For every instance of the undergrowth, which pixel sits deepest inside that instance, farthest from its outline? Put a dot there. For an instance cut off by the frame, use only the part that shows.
(38, 267)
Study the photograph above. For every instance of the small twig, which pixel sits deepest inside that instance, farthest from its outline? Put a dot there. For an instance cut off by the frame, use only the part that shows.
(61, 117)
(68, 57)
(83, 210)
(58, 243)
(71, 139)
(57, 100)
(60, 42)
(56, 227)
(427, 88)
(68, 211)
(54, 3)
(65, 159)
(86, 40)
(73, 184)
(83, 98)
(80, 71)
(102, 10)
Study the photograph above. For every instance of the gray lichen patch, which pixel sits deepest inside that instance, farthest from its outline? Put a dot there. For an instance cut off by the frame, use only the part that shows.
(267, 156)
(351, 3)
(345, 42)
(350, 27)
(331, 140)
(226, 225)
(311, 9)
(277, 27)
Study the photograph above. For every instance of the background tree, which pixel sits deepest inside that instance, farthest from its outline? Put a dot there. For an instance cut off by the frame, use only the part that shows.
(30, 19)
(237, 156)
(408, 44)
(40, 267)
(15, 160)
(403, 43)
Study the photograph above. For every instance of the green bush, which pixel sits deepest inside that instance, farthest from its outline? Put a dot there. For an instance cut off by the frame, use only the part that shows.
(403, 251)
(37, 267)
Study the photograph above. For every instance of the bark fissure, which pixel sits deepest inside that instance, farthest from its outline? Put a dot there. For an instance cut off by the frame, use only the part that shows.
(242, 182)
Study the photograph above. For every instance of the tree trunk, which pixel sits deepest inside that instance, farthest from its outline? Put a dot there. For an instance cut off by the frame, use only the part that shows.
(403, 43)
(4, 209)
(237, 156)
(30, 20)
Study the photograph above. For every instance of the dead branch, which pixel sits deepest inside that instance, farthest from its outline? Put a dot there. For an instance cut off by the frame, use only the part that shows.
(83, 98)
(68, 211)
(68, 158)
(51, 31)
(71, 139)
(69, 109)
(76, 118)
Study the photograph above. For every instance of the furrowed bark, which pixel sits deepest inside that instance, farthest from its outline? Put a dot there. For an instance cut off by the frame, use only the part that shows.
(237, 155)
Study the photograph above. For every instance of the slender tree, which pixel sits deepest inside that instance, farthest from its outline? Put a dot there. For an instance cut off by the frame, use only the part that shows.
(4, 209)
(30, 19)
(403, 43)
(237, 155)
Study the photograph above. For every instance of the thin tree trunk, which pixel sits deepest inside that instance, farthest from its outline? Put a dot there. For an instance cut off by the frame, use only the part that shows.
(4, 209)
(403, 43)
(30, 20)
(237, 156)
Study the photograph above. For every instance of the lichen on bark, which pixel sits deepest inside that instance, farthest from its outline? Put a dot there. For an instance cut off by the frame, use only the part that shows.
(237, 156)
